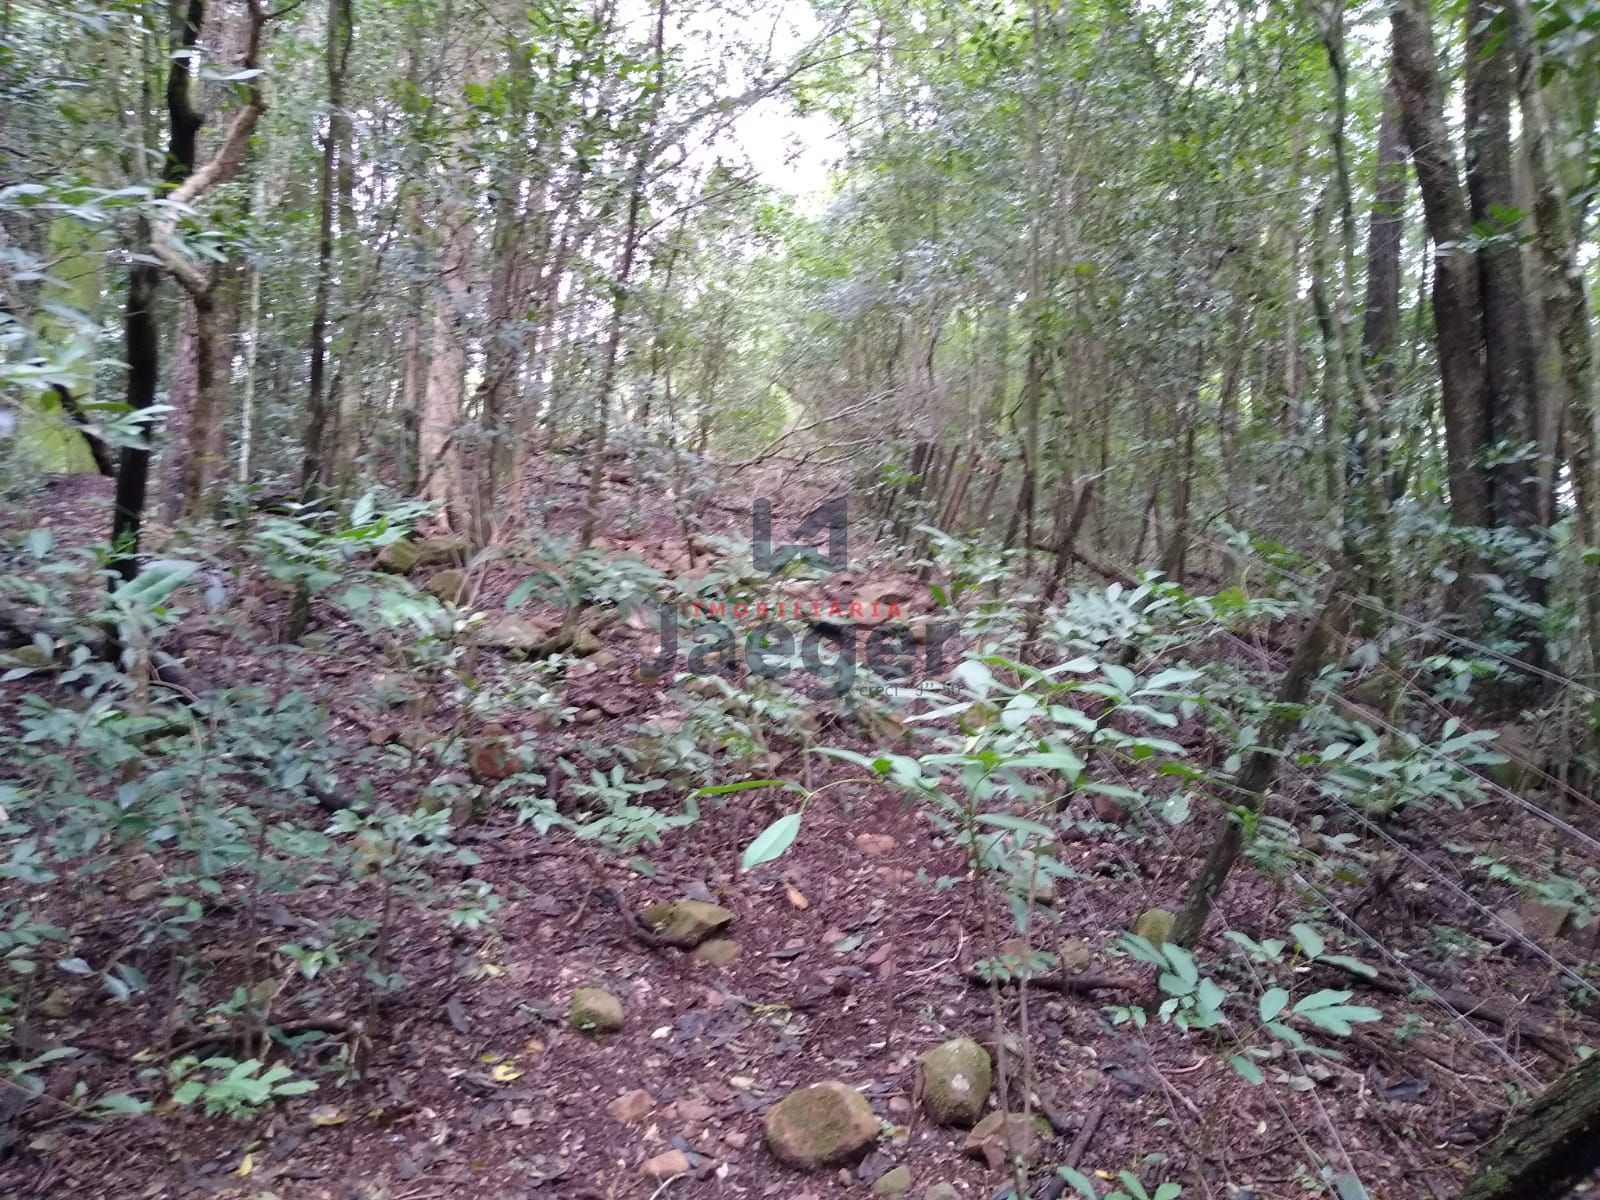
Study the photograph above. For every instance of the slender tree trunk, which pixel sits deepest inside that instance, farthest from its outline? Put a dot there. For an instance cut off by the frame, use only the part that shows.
(316, 469)
(1458, 327)
(619, 289)
(252, 350)
(1248, 791)
(141, 331)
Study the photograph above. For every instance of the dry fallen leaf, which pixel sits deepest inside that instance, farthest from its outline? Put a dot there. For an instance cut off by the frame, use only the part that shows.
(506, 1072)
(796, 896)
(327, 1114)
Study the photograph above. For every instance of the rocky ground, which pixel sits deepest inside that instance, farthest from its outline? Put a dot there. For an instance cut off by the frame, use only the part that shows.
(809, 1029)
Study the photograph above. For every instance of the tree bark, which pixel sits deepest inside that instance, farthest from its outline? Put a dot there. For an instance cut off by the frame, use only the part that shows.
(1249, 788)
(1458, 327)
(1511, 410)
(141, 333)
(320, 449)
(619, 287)
(1548, 1147)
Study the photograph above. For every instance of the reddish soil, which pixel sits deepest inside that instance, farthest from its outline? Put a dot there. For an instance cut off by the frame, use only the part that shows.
(852, 964)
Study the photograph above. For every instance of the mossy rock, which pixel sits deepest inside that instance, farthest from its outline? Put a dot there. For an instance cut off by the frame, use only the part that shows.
(826, 1125)
(956, 1077)
(517, 633)
(449, 586)
(1154, 925)
(685, 923)
(894, 1182)
(404, 557)
(1519, 745)
(595, 1010)
(718, 952)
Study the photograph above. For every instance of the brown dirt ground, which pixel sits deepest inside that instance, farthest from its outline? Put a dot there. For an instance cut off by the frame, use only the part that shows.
(854, 985)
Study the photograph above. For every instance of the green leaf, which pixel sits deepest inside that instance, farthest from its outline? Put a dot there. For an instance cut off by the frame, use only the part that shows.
(1182, 963)
(1326, 998)
(1017, 824)
(1079, 1181)
(1120, 677)
(1309, 939)
(1273, 1001)
(724, 789)
(1352, 964)
(1171, 677)
(1068, 763)
(1251, 1073)
(155, 583)
(1339, 1017)
(519, 594)
(121, 1104)
(771, 842)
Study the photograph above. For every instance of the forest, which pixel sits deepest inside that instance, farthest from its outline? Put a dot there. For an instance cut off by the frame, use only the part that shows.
(661, 599)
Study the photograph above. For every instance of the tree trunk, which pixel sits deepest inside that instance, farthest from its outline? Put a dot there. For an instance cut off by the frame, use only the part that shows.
(1547, 1148)
(1249, 788)
(316, 469)
(1458, 327)
(447, 365)
(619, 288)
(1511, 411)
(141, 332)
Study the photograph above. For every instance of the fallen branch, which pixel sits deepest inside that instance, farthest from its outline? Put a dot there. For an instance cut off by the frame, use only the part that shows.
(1064, 985)
(1508, 1018)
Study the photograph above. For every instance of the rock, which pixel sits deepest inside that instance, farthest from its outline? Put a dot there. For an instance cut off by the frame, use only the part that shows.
(404, 557)
(595, 1010)
(885, 591)
(826, 1125)
(32, 658)
(391, 688)
(875, 845)
(584, 643)
(449, 586)
(517, 633)
(632, 1107)
(1106, 808)
(1075, 956)
(398, 557)
(718, 952)
(1154, 925)
(1542, 921)
(941, 1191)
(1032, 880)
(492, 760)
(57, 1003)
(1000, 1136)
(1520, 746)
(894, 1182)
(956, 1077)
(685, 923)
(666, 1166)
